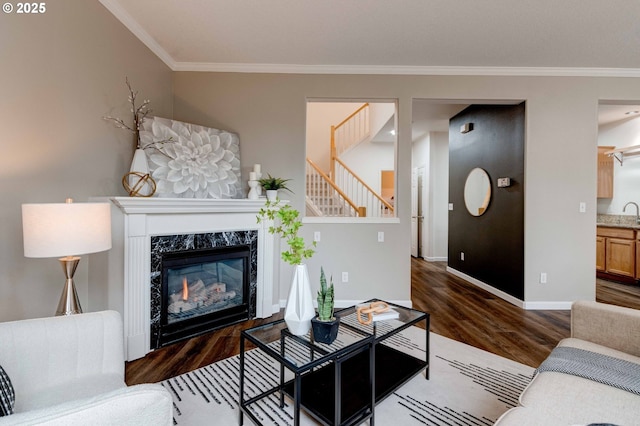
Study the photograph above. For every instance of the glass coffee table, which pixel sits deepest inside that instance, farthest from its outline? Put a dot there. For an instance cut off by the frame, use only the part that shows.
(336, 384)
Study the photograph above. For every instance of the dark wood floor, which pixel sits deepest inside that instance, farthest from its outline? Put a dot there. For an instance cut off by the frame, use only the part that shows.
(459, 310)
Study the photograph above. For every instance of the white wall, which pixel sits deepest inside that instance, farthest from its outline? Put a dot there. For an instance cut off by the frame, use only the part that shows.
(320, 117)
(431, 151)
(626, 178)
(438, 204)
(61, 72)
(368, 160)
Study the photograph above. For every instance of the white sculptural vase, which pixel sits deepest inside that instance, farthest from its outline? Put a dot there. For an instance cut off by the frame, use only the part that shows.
(138, 164)
(299, 309)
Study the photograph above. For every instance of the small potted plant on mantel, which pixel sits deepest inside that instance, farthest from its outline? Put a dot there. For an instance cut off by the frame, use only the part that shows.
(271, 185)
(287, 223)
(325, 325)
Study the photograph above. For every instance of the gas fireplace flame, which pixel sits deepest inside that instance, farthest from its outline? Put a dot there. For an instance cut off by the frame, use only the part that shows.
(185, 289)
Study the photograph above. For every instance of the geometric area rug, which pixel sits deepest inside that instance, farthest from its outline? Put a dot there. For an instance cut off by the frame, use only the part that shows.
(467, 386)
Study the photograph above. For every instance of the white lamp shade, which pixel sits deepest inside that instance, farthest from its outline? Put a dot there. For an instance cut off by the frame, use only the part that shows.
(65, 229)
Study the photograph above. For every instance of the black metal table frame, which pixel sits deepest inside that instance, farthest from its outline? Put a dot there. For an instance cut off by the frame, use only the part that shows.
(337, 357)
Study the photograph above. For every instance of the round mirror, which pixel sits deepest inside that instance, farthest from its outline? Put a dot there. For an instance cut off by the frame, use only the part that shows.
(477, 192)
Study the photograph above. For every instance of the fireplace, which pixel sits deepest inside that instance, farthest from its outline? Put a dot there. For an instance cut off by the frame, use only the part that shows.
(220, 272)
(203, 290)
(127, 278)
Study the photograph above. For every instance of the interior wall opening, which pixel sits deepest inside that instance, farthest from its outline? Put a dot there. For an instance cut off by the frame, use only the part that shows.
(351, 156)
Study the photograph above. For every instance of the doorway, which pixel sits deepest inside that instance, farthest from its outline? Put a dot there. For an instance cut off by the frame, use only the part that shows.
(418, 207)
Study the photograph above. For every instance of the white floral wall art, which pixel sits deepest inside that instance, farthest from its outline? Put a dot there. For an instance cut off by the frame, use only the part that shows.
(191, 161)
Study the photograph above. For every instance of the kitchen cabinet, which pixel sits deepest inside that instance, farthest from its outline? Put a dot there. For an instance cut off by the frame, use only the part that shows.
(621, 257)
(600, 253)
(617, 252)
(605, 172)
(638, 255)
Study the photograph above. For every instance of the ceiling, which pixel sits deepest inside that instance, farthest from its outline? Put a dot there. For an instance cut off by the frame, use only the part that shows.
(388, 36)
(492, 37)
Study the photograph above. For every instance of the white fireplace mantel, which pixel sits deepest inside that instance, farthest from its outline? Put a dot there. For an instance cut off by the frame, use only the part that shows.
(136, 205)
(135, 220)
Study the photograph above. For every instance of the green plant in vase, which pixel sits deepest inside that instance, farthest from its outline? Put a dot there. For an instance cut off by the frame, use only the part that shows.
(325, 298)
(271, 185)
(286, 224)
(325, 325)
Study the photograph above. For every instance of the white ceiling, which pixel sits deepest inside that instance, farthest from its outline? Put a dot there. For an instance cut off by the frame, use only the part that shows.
(390, 36)
(498, 37)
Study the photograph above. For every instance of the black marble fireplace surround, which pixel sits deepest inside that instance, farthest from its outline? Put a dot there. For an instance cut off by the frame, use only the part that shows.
(171, 244)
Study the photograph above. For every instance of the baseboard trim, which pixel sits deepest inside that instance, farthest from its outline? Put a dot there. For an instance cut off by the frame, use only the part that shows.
(547, 306)
(275, 308)
(436, 259)
(529, 306)
(501, 294)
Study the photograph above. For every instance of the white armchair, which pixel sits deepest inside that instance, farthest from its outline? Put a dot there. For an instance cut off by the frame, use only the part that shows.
(70, 370)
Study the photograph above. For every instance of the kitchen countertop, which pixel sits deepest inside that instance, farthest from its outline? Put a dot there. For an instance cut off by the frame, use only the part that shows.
(617, 221)
(618, 225)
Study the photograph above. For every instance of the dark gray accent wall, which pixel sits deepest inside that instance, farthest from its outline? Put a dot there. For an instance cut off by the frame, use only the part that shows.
(493, 244)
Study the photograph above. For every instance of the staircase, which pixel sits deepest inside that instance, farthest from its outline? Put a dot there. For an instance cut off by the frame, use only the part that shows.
(341, 192)
(323, 197)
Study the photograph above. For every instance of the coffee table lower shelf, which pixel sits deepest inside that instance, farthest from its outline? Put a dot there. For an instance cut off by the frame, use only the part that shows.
(393, 368)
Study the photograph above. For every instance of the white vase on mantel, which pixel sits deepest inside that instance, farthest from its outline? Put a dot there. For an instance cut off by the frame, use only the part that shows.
(299, 309)
(272, 194)
(139, 164)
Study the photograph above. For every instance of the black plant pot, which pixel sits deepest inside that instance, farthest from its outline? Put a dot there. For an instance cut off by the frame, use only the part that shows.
(325, 331)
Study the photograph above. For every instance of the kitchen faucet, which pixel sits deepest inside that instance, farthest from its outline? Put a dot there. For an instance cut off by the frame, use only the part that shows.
(637, 210)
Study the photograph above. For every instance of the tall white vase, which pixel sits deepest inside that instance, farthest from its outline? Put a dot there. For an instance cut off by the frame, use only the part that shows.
(299, 310)
(138, 164)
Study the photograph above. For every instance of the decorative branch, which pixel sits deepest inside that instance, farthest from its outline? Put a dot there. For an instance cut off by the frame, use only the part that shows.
(139, 115)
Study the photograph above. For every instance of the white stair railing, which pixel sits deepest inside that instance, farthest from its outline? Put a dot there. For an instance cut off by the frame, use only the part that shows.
(360, 193)
(350, 132)
(324, 198)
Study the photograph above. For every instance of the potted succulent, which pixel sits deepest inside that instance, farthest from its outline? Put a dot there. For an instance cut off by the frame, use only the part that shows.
(287, 224)
(271, 185)
(325, 324)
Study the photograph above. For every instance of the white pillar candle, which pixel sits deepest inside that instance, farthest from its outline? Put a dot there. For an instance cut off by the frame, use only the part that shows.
(256, 168)
(252, 176)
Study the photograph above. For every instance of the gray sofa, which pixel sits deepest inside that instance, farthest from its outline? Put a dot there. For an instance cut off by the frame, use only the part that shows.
(554, 398)
(70, 371)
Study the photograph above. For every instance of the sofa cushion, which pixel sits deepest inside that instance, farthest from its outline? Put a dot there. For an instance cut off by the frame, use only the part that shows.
(148, 404)
(526, 416)
(557, 398)
(7, 395)
(85, 387)
(564, 399)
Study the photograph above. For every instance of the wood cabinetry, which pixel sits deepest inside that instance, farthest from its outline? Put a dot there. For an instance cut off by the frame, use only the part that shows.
(638, 255)
(600, 254)
(617, 252)
(605, 172)
(621, 257)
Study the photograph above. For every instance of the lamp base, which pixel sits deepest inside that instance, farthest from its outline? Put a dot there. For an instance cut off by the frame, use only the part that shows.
(69, 303)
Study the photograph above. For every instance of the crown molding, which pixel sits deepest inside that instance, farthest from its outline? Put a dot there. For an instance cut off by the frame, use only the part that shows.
(407, 70)
(128, 21)
(132, 25)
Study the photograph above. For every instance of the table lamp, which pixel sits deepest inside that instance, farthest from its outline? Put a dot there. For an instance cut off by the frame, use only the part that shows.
(66, 230)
